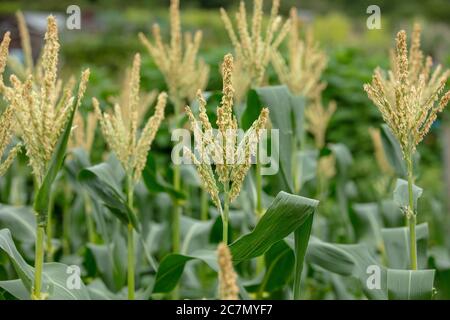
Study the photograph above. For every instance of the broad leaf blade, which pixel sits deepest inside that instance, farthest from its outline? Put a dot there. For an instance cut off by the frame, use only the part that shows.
(55, 275)
(280, 263)
(172, 266)
(286, 213)
(16, 289)
(410, 285)
(349, 260)
(56, 279)
(169, 272)
(101, 181)
(23, 269)
(393, 151)
(20, 221)
(301, 236)
(396, 243)
(278, 100)
(252, 110)
(401, 194)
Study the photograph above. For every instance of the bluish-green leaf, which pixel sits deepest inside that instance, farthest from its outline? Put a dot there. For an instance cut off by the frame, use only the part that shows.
(354, 260)
(410, 285)
(23, 269)
(401, 194)
(172, 266)
(298, 104)
(20, 221)
(393, 151)
(16, 288)
(55, 275)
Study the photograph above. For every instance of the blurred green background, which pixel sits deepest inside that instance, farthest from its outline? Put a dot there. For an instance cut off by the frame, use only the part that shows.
(108, 39)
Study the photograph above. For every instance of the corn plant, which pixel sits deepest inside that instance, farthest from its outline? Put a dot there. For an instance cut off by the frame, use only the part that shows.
(232, 159)
(409, 100)
(253, 47)
(121, 133)
(45, 118)
(184, 74)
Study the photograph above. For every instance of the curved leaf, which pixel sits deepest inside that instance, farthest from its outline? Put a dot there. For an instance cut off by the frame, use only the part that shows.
(396, 243)
(110, 260)
(349, 260)
(55, 275)
(20, 221)
(23, 269)
(172, 266)
(401, 195)
(16, 289)
(286, 213)
(55, 278)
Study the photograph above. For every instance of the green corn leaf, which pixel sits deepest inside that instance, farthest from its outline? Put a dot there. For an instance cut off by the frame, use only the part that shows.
(169, 272)
(401, 194)
(393, 151)
(100, 180)
(15, 288)
(344, 158)
(396, 243)
(286, 213)
(194, 234)
(79, 159)
(155, 182)
(410, 285)
(23, 270)
(298, 104)
(98, 291)
(20, 221)
(172, 266)
(280, 261)
(368, 223)
(278, 100)
(350, 260)
(110, 260)
(55, 276)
